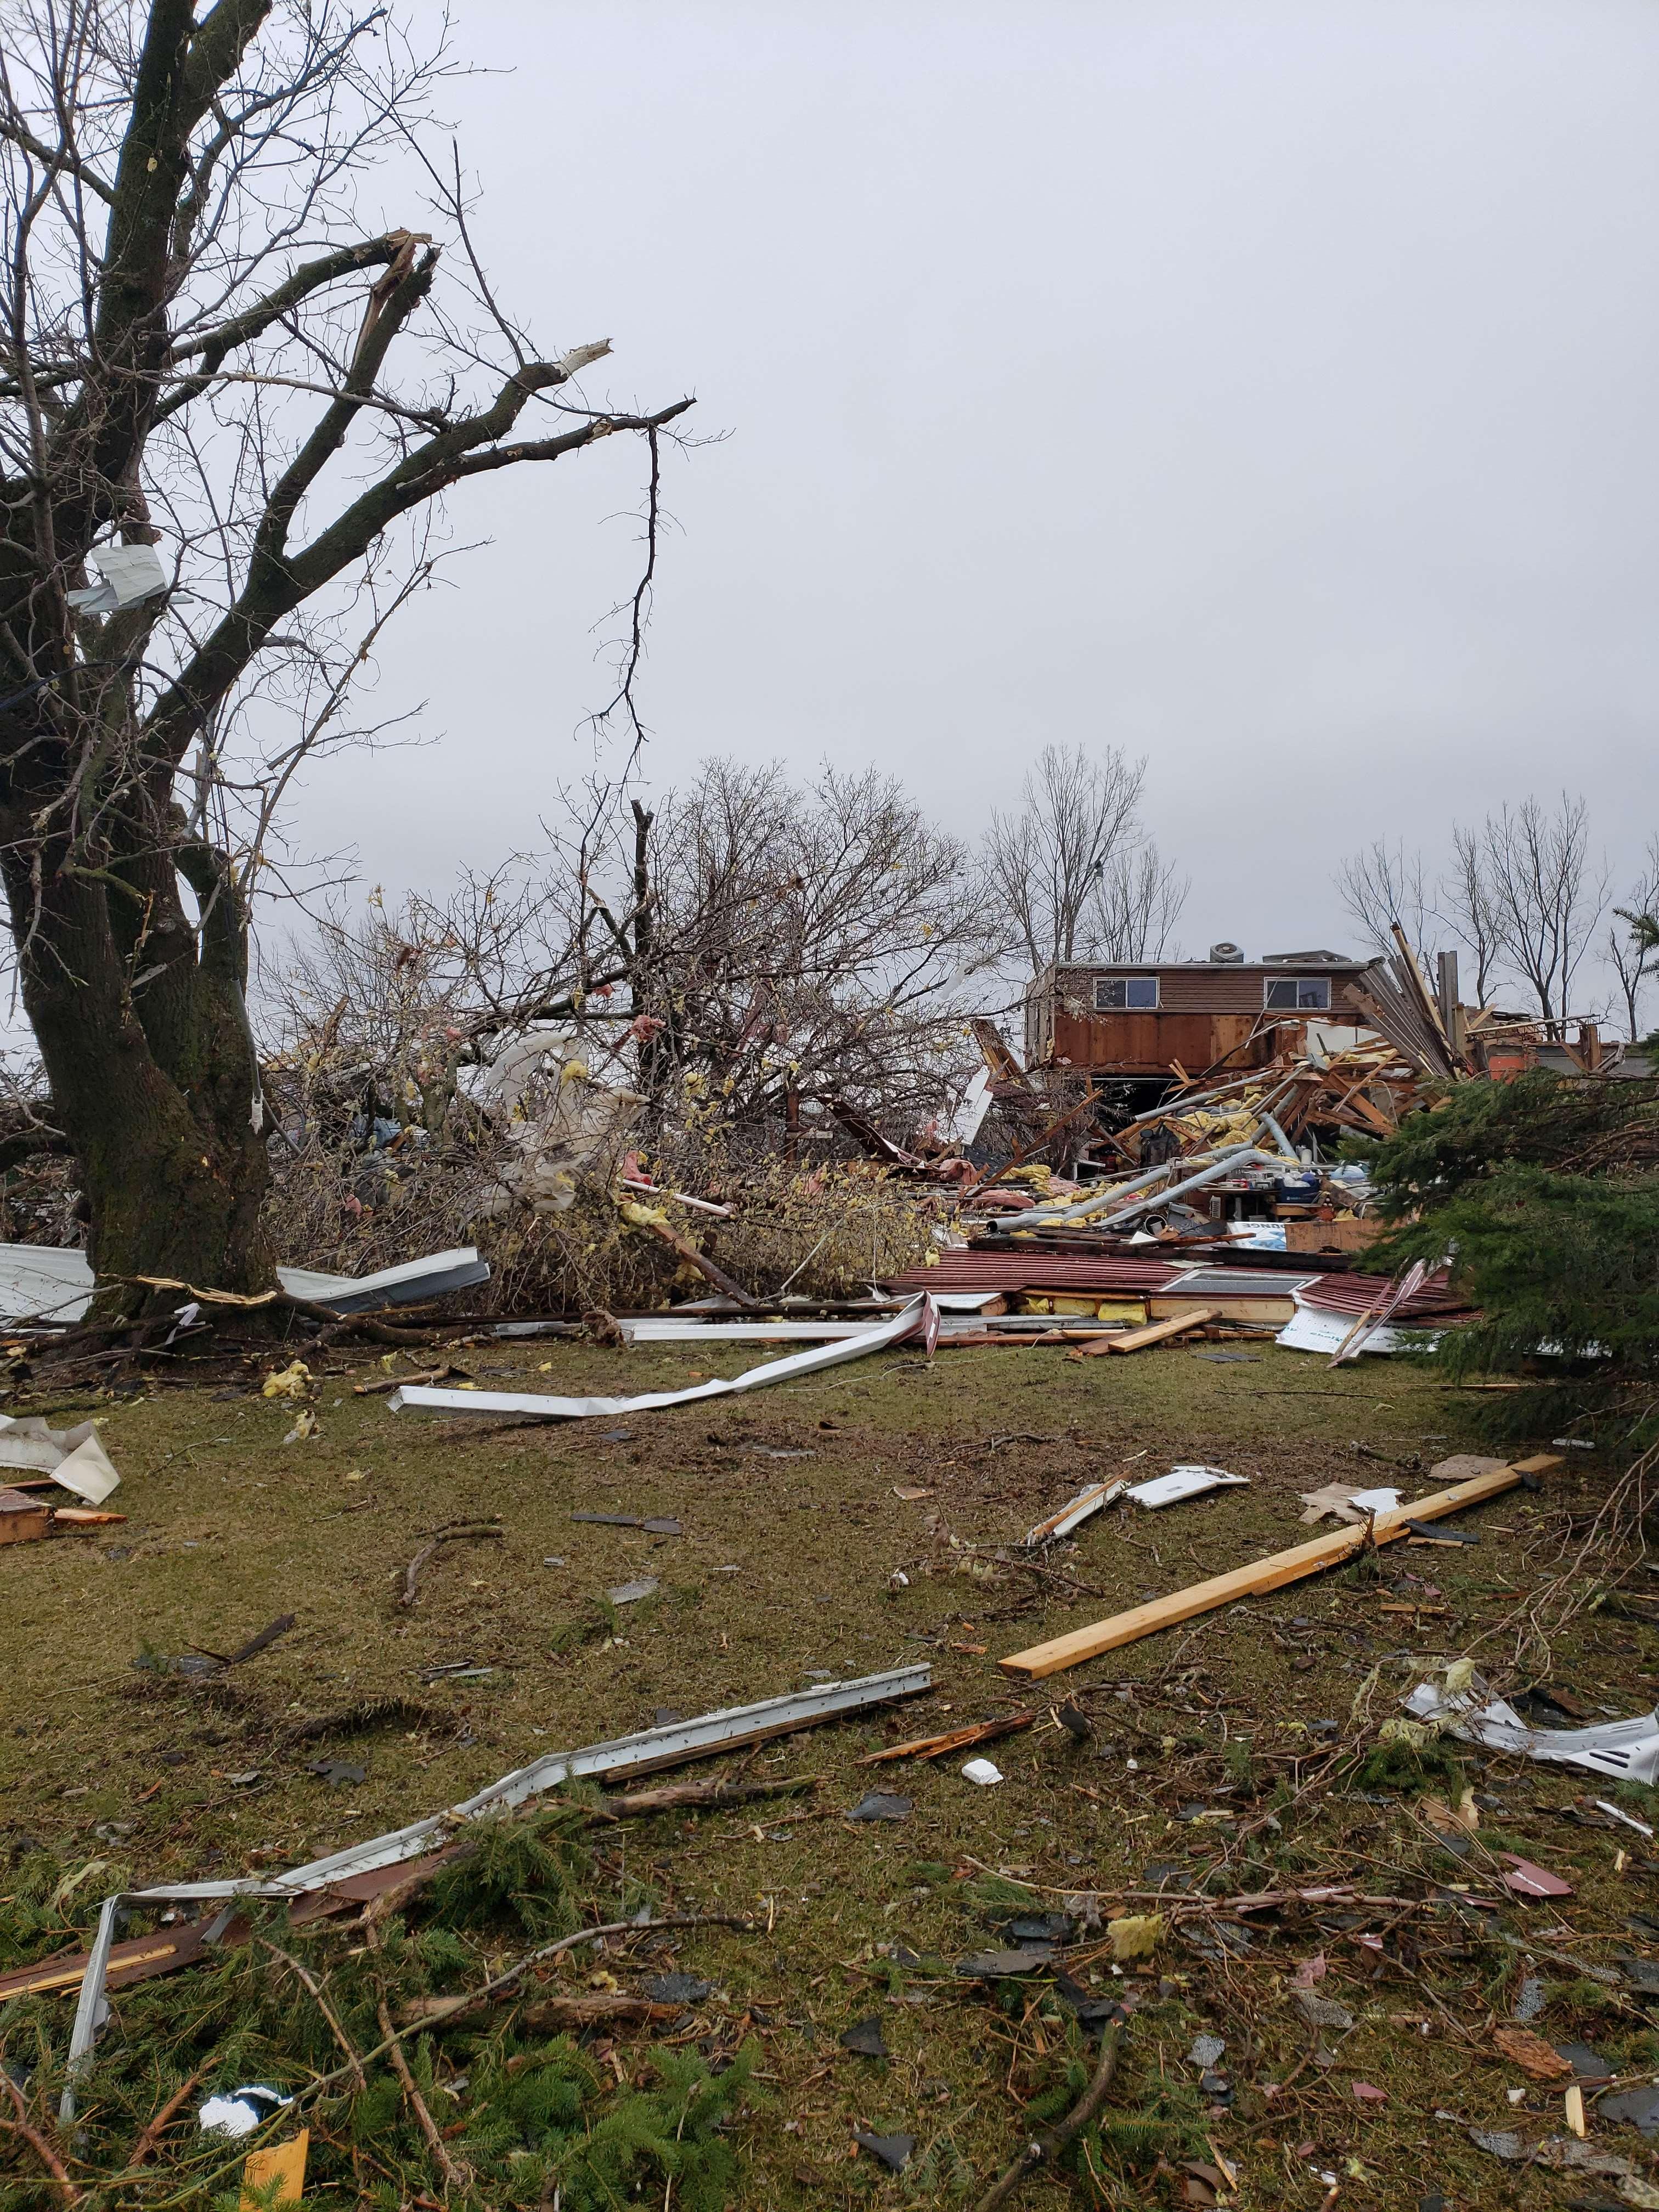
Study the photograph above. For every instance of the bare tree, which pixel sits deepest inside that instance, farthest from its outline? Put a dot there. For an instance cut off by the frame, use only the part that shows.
(1138, 900)
(1467, 908)
(1384, 885)
(1065, 871)
(197, 340)
(1545, 905)
(805, 942)
(1633, 952)
(740, 947)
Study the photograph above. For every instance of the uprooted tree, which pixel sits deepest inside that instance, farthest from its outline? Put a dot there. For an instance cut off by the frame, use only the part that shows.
(198, 344)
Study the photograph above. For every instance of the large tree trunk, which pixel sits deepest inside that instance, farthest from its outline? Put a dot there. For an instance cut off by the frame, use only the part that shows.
(153, 1076)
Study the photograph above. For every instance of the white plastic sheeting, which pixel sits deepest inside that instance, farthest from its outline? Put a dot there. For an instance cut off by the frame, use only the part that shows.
(1315, 1329)
(555, 1113)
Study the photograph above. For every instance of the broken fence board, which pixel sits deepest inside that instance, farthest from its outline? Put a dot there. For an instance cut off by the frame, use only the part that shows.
(1263, 1575)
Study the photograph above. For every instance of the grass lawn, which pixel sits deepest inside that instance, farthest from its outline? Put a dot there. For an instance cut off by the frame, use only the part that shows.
(1223, 1757)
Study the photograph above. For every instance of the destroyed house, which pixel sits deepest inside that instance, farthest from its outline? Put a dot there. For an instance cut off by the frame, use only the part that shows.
(1147, 1018)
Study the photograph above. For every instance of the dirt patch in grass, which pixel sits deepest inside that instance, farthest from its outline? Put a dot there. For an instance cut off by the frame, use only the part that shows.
(1223, 1758)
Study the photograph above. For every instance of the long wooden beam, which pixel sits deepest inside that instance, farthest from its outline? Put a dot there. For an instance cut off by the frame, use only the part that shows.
(1264, 1575)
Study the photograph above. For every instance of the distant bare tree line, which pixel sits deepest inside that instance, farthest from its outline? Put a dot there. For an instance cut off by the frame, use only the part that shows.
(1526, 901)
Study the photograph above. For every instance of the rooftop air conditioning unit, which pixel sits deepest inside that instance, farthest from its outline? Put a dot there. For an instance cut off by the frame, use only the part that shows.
(1227, 956)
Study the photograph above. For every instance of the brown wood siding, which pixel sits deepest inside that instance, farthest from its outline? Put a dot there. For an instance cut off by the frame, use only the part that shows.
(1188, 990)
(1145, 1044)
(1204, 1013)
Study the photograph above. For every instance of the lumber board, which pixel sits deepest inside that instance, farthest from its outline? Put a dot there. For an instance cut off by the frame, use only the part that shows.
(1263, 1575)
(1134, 1339)
(1261, 1306)
(1137, 1339)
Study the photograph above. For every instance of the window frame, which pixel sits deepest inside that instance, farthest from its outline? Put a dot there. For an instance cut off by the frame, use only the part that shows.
(1298, 984)
(1104, 982)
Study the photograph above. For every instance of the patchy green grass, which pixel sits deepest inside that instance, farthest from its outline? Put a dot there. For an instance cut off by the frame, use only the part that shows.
(793, 1535)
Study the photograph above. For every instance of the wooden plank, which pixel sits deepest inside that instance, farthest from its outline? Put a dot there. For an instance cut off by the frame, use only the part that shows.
(1264, 1575)
(23, 1519)
(1135, 1339)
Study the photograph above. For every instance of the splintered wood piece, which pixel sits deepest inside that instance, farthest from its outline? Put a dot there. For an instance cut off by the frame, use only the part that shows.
(1264, 1575)
(936, 1746)
(23, 1519)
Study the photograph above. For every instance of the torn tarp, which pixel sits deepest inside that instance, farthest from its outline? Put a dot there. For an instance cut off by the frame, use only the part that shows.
(919, 1319)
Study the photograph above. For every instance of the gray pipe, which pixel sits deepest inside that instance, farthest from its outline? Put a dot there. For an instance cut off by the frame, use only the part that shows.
(1085, 1205)
(1237, 1154)
(1246, 1155)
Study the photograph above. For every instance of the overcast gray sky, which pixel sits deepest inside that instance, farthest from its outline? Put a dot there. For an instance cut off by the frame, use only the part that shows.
(1270, 389)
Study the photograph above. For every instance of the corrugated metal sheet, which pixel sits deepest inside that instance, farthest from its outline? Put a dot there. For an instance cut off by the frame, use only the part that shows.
(1358, 1294)
(1204, 1283)
(1037, 1270)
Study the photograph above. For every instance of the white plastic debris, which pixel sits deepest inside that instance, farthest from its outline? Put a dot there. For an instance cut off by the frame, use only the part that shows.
(241, 2111)
(1629, 1819)
(1072, 1516)
(1186, 1481)
(1628, 1751)
(73, 1457)
(130, 573)
(982, 1772)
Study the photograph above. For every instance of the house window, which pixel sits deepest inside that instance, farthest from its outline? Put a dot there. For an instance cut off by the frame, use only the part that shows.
(1298, 995)
(1126, 994)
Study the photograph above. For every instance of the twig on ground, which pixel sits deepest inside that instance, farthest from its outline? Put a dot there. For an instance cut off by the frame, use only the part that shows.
(463, 1532)
(1043, 2150)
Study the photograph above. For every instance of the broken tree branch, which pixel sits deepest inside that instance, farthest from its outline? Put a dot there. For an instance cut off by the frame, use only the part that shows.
(22, 2125)
(157, 2127)
(1042, 2150)
(463, 1532)
(315, 1988)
